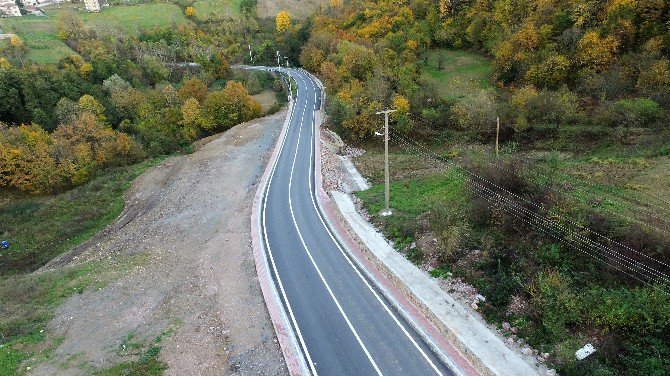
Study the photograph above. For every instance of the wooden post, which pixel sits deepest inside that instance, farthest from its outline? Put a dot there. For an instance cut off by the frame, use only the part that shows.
(498, 139)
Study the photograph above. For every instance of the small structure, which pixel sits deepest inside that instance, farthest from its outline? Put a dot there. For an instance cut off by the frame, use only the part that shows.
(92, 6)
(9, 8)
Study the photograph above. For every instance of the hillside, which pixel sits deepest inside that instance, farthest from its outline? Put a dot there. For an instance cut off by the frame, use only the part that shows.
(297, 8)
(565, 231)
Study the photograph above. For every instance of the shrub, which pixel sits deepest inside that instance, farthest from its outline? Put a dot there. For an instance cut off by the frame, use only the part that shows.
(643, 311)
(551, 73)
(555, 303)
(638, 112)
(229, 107)
(476, 113)
(553, 107)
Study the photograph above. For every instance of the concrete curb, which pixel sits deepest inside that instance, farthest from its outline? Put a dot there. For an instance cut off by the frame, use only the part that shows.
(285, 334)
(481, 346)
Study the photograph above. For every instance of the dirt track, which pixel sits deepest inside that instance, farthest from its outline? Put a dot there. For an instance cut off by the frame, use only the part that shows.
(189, 218)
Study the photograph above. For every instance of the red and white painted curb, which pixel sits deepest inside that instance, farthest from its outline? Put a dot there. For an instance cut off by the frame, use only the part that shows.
(287, 340)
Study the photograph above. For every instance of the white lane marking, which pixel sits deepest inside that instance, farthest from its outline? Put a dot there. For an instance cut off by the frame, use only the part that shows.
(309, 254)
(386, 308)
(267, 244)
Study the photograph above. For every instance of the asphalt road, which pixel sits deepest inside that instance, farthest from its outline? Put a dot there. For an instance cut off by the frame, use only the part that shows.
(344, 325)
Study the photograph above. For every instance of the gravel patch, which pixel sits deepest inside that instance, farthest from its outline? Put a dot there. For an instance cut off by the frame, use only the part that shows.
(198, 289)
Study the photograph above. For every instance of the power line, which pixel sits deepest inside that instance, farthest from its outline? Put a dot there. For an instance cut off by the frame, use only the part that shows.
(635, 266)
(541, 206)
(602, 187)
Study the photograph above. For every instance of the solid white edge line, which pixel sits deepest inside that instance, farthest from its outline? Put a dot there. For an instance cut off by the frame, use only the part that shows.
(337, 243)
(309, 254)
(267, 243)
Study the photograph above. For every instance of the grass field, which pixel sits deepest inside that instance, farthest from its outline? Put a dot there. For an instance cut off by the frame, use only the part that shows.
(39, 36)
(216, 10)
(297, 8)
(458, 73)
(39, 33)
(40, 228)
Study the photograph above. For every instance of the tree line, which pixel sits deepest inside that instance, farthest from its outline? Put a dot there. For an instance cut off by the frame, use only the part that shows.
(115, 100)
(557, 62)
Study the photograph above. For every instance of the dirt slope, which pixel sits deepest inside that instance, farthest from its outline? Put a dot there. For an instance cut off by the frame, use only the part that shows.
(197, 290)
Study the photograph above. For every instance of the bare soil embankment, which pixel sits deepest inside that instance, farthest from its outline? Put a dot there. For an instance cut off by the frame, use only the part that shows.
(198, 290)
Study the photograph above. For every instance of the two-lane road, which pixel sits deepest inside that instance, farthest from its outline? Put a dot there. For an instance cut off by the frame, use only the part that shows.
(343, 324)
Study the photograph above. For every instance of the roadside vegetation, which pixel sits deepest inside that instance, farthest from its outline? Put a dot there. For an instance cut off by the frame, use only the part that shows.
(581, 89)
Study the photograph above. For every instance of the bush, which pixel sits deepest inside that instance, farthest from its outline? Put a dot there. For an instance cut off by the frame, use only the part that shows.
(477, 113)
(642, 311)
(553, 107)
(555, 303)
(638, 112)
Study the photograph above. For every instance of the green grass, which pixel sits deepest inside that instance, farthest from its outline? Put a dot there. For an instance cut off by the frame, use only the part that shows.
(147, 363)
(28, 302)
(216, 10)
(39, 36)
(40, 228)
(411, 198)
(462, 73)
(132, 19)
(39, 33)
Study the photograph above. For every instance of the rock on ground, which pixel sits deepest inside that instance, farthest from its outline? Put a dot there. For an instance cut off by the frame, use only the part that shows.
(197, 288)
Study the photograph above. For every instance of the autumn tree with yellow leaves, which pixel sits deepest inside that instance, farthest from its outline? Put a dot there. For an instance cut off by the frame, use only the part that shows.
(283, 21)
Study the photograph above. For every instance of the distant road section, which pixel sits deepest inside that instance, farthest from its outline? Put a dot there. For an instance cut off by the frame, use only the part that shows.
(343, 325)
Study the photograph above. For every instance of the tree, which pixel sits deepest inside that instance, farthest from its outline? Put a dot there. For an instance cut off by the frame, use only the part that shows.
(551, 73)
(401, 116)
(69, 26)
(596, 52)
(4, 63)
(218, 65)
(189, 12)
(311, 58)
(192, 121)
(26, 160)
(15, 41)
(229, 107)
(89, 104)
(283, 21)
(193, 88)
(65, 110)
(336, 3)
(331, 75)
(445, 8)
(115, 83)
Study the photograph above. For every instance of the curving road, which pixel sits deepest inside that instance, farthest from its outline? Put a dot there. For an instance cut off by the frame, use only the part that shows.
(342, 323)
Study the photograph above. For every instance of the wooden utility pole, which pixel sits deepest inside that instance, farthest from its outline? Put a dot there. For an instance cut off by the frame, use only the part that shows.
(387, 192)
(498, 139)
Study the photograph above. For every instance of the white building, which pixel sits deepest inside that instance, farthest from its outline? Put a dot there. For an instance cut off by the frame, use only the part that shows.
(92, 5)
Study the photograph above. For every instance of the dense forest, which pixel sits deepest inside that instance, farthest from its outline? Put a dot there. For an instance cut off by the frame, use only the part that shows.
(117, 99)
(559, 62)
